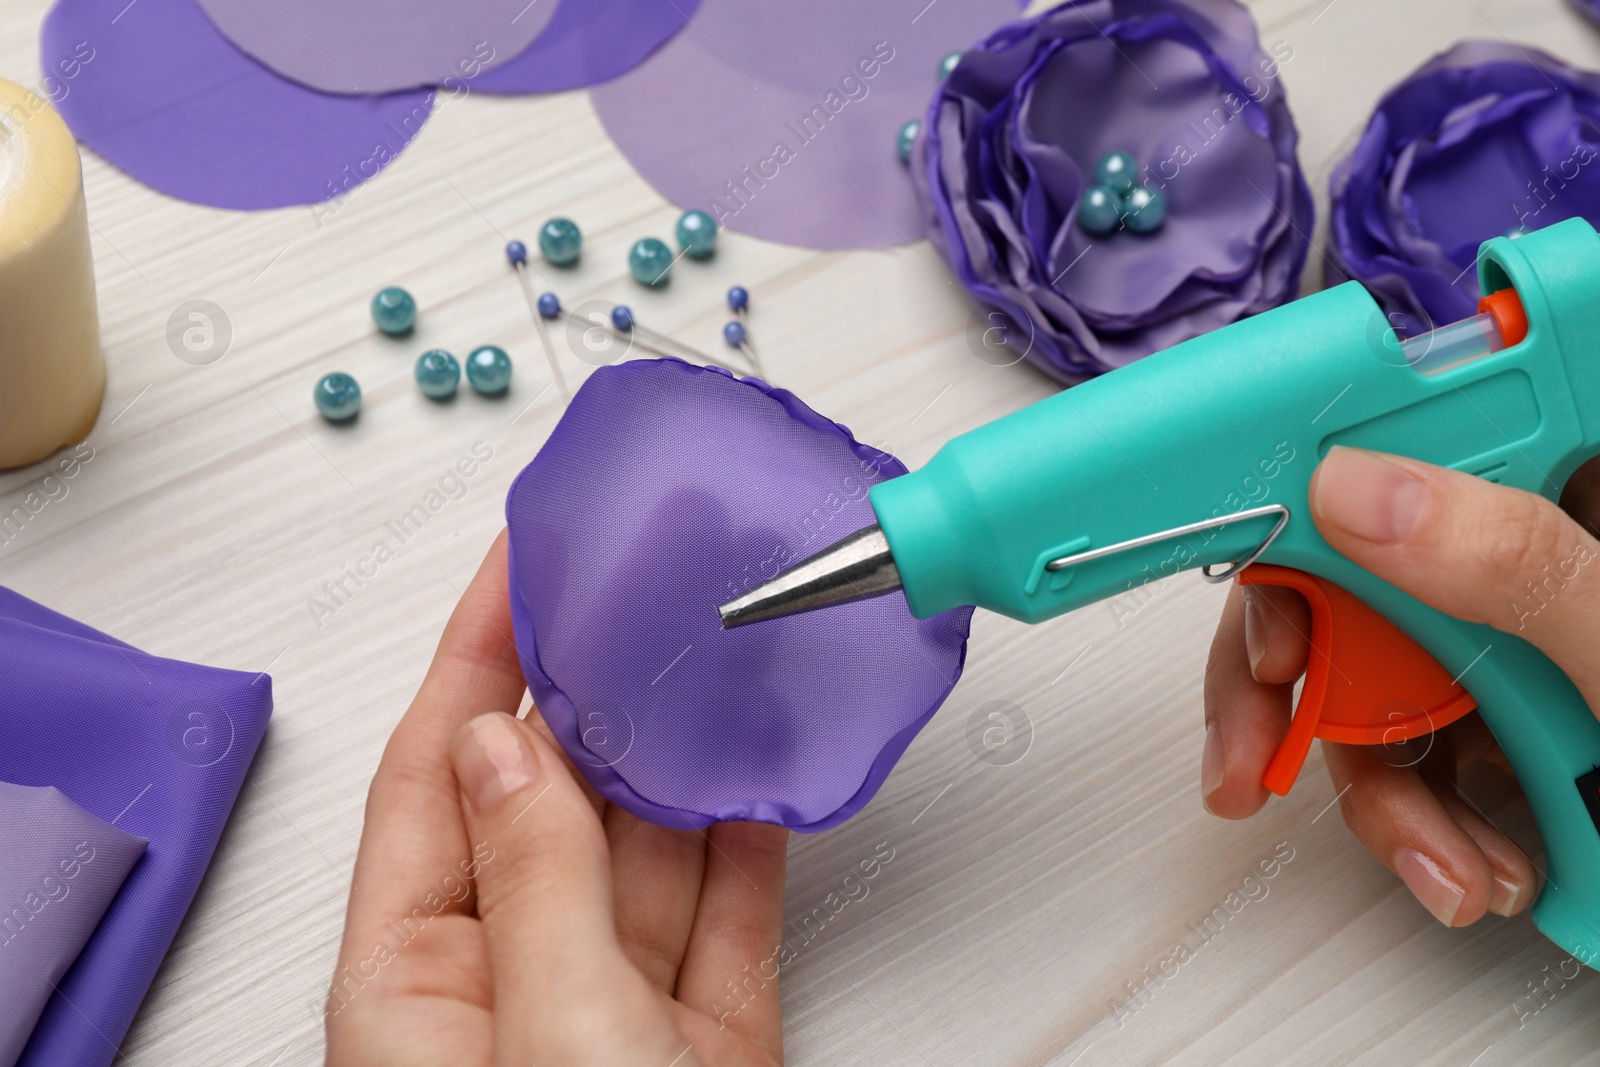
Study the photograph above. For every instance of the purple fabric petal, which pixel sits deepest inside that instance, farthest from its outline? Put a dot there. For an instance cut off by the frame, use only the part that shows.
(380, 46)
(587, 42)
(212, 127)
(1477, 142)
(767, 116)
(59, 869)
(665, 490)
(1012, 134)
(159, 746)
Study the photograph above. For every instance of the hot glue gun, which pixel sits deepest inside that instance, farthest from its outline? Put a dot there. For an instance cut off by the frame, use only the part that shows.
(1201, 456)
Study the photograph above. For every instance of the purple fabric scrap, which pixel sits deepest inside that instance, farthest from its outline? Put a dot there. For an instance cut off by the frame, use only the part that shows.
(159, 748)
(156, 90)
(780, 120)
(380, 46)
(587, 42)
(1010, 143)
(665, 490)
(59, 869)
(1485, 140)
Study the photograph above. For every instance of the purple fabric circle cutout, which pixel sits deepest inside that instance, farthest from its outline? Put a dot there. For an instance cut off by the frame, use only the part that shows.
(158, 748)
(380, 46)
(780, 120)
(665, 490)
(1479, 141)
(1010, 142)
(587, 42)
(213, 126)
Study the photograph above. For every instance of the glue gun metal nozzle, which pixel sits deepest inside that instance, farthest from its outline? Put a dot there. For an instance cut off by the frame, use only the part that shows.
(858, 567)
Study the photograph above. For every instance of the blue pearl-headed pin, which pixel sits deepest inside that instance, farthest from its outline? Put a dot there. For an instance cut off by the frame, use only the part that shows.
(906, 139)
(1118, 171)
(337, 396)
(560, 241)
(394, 311)
(549, 305)
(734, 334)
(622, 318)
(516, 253)
(650, 260)
(1099, 209)
(1143, 209)
(738, 299)
(489, 370)
(437, 373)
(697, 234)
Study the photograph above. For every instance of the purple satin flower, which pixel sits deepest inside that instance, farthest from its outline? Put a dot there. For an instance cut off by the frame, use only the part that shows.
(1481, 141)
(665, 490)
(1010, 142)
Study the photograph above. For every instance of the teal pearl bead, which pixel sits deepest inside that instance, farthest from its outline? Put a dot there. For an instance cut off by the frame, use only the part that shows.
(337, 397)
(560, 241)
(948, 64)
(1117, 170)
(1143, 209)
(697, 234)
(906, 139)
(438, 373)
(489, 370)
(650, 260)
(394, 311)
(1099, 209)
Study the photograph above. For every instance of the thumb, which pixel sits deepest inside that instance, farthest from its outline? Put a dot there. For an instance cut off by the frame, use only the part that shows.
(564, 991)
(1480, 552)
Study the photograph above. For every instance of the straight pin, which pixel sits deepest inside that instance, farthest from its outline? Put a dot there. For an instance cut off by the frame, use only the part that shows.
(737, 333)
(517, 254)
(623, 323)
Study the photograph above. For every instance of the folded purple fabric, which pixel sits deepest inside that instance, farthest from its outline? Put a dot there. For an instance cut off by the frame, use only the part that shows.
(156, 746)
(665, 490)
(59, 869)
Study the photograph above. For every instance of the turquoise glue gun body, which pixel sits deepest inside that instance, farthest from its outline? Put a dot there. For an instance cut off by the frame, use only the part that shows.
(1197, 455)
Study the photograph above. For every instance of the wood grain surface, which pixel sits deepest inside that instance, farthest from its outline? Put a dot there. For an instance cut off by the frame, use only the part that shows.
(1023, 903)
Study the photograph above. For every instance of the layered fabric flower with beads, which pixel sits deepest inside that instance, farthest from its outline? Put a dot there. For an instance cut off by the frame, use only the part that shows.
(1488, 139)
(1011, 141)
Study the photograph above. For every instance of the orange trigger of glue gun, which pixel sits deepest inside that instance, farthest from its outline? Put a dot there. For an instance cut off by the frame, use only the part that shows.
(1366, 682)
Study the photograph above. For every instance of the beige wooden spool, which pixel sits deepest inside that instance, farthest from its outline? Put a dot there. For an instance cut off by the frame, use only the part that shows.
(52, 372)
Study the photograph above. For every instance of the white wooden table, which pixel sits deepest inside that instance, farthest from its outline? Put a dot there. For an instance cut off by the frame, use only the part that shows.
(1021, 901)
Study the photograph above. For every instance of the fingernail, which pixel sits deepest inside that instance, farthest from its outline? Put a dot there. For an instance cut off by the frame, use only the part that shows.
(1367, 496)
(1211, 763)
(1504, 899)
(1255, 631)
(1427, 882)
(494, 761)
